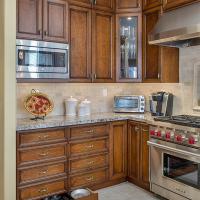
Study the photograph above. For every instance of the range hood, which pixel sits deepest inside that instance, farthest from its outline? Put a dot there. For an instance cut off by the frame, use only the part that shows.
(178, 28)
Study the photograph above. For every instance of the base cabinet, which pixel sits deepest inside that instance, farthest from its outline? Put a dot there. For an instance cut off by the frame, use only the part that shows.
(138, 154)
(118, 150)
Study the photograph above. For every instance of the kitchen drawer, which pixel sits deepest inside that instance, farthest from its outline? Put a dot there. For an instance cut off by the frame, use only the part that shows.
(88, 146)
(41, 154)
(88, 179)
(41, 172)
(88, 131)
(41, 137)
(42, 190)
(88, 163)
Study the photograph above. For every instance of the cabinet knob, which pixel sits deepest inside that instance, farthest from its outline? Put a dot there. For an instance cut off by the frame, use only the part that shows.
(137, 129)
(139, 4)
(43, 137)
(43, 154)
(43, 171)
(45, 32)
(91, 178)
(95, 2)
(43, 190)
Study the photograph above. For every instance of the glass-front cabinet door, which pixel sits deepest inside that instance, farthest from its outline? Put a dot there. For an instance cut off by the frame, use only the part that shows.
(129, 45)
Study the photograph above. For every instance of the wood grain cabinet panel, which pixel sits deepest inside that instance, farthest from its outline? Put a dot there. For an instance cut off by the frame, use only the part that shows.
(41, 154)
(88, 146)
(128, 5)
(138, 154)
(160, 64)
(29, 19)
(82, 3)
(171, 4)
(88, 131)
(103, 47)
(105, 5)
(55, 20)
(80, 44)
(88, 163)
(118, 150)
(41, 137)
(42, 190)
(88, 179)
(38, 173)
(147, 4)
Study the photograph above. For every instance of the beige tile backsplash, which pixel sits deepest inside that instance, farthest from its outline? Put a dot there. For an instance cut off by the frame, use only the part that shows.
(101, 95)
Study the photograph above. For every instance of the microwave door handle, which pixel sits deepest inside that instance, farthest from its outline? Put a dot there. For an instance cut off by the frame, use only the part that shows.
(160, 146)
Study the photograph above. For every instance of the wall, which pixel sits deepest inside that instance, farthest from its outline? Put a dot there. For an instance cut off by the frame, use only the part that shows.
(183, 91)
(7, 100)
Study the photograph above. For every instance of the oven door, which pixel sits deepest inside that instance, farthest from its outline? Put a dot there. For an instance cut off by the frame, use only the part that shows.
(174, 168)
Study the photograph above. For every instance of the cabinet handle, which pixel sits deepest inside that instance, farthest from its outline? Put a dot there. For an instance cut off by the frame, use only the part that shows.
(43, 190)
(44, 171)
(89, 131)
(46, 33)
(95, 76)
(95, 2)
(43, 137)
(139, 4)
(44, 154)
(158, 75)
(90, 178)
(91, 162)
(89, 146)
(40, 32)
(137, 129)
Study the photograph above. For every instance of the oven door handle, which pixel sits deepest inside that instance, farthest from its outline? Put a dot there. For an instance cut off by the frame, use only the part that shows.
(160, 146)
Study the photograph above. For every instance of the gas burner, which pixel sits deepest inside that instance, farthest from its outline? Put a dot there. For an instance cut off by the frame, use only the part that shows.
(185, 120)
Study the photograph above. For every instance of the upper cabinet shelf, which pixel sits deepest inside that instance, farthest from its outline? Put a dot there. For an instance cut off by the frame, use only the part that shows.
(42, 20)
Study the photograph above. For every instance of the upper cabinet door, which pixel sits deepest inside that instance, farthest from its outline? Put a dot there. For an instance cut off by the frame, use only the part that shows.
(128, 5)
(29, 19)
(129, 47)
(103, 47)
(82, 3)
(55, 24)
(80, 44)
(147, 4)
(107, 5)
(171, 4)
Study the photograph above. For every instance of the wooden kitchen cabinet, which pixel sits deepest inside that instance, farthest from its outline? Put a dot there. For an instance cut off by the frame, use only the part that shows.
(80, 44)
(160, 64)
(105, 5)
(55, 20)
(118, 150)
(171, 4)
(129, 47)
(42, 20)
(102, 47)
(147, 4)
(138, 154)
(29, 19)
(128, 5)
(82, 3)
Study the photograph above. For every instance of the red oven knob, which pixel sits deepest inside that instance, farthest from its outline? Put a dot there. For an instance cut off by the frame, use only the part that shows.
(152, 132)
(168, 135)
(179, 138)
(191, 140)
(159, 134)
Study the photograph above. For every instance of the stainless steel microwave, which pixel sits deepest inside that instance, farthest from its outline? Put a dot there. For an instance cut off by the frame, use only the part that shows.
(129, 104)
(39, 59)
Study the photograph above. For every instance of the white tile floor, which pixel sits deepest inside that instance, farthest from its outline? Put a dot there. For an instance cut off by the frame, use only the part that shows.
(125, 191)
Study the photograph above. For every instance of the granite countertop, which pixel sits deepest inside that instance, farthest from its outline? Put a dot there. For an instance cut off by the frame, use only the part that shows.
(61, 121)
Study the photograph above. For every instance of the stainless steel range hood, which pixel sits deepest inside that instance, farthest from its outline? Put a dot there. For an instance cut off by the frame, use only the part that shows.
(178, 28)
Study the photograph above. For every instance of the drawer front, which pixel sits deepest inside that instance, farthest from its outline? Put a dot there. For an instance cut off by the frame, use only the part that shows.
(88, 163)
(42, 190)
(28, 139)
(89, 179)
(89, 131)
(88, 147)
(41, 172)
(42, 154)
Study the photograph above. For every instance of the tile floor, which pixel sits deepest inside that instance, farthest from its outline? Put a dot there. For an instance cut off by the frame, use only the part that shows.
(125, 191)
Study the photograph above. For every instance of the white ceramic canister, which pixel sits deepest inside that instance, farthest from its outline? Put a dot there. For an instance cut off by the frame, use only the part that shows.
(71, 106)
(84, 108)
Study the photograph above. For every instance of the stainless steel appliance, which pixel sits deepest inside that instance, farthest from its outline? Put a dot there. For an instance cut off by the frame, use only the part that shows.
(178, 28)
(38, 59)
(129, 104)
(161, 104)
(175, 157)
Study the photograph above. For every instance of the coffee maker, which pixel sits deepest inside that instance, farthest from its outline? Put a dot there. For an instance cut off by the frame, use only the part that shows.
(161, 104)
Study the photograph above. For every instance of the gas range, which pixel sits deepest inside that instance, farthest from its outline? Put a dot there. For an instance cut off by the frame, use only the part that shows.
(185, 131)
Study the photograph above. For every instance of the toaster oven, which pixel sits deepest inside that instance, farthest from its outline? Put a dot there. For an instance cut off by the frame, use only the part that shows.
(129, 104)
